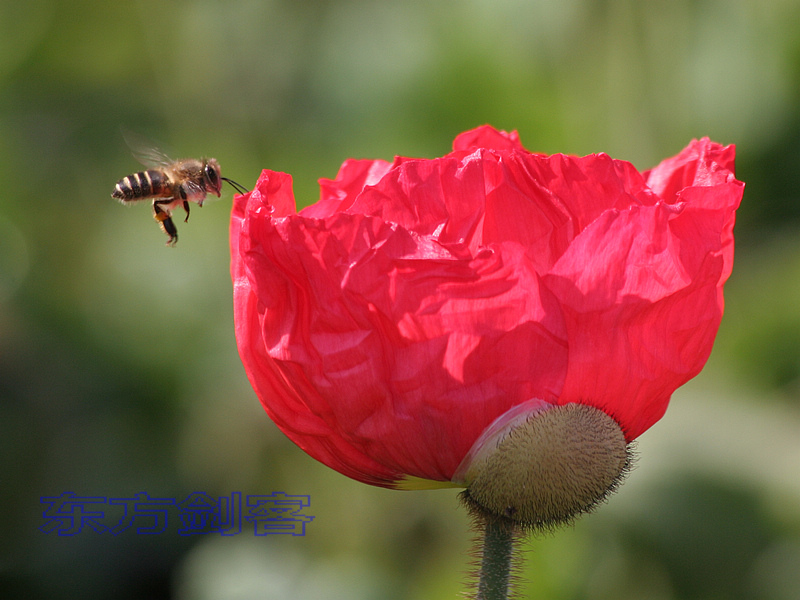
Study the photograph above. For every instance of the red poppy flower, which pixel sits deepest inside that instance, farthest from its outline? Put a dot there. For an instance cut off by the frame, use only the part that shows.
(388, 326)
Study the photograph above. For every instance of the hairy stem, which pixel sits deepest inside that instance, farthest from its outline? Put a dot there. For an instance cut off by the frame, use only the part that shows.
(496, 560)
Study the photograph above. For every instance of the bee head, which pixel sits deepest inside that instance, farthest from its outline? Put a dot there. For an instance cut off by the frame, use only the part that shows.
(212, 179)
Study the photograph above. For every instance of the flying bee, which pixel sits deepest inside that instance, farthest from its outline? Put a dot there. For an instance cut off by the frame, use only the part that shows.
(171, 184)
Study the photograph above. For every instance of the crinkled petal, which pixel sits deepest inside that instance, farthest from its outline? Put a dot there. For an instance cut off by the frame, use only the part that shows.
(486, 137)
(385, 342)
(641, 292)
(702, 163)
(339, 194)
(543, 202)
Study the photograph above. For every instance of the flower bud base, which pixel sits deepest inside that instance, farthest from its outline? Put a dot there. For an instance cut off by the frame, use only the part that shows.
(555, 465)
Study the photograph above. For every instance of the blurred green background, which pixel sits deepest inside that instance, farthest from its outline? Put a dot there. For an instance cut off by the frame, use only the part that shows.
(118, 367)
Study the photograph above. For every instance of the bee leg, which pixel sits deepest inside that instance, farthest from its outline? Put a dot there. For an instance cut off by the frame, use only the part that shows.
(186, 208)
(164, 219)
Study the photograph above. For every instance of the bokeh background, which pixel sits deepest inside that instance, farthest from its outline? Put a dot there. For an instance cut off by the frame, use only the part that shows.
(118, 367)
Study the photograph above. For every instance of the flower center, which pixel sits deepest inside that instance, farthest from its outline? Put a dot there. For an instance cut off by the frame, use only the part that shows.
(550, 467)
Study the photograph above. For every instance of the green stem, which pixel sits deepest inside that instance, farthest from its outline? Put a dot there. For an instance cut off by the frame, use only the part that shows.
(498, 551)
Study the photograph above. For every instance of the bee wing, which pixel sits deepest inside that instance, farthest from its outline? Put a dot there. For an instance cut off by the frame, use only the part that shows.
(145, 151)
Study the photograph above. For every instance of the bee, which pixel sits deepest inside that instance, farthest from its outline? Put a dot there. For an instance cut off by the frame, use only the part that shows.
(171, 184)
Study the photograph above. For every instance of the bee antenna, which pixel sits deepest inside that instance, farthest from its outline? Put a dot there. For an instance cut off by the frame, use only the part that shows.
(238, 187)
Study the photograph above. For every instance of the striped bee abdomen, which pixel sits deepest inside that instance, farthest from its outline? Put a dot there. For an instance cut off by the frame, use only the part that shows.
(144, 184)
